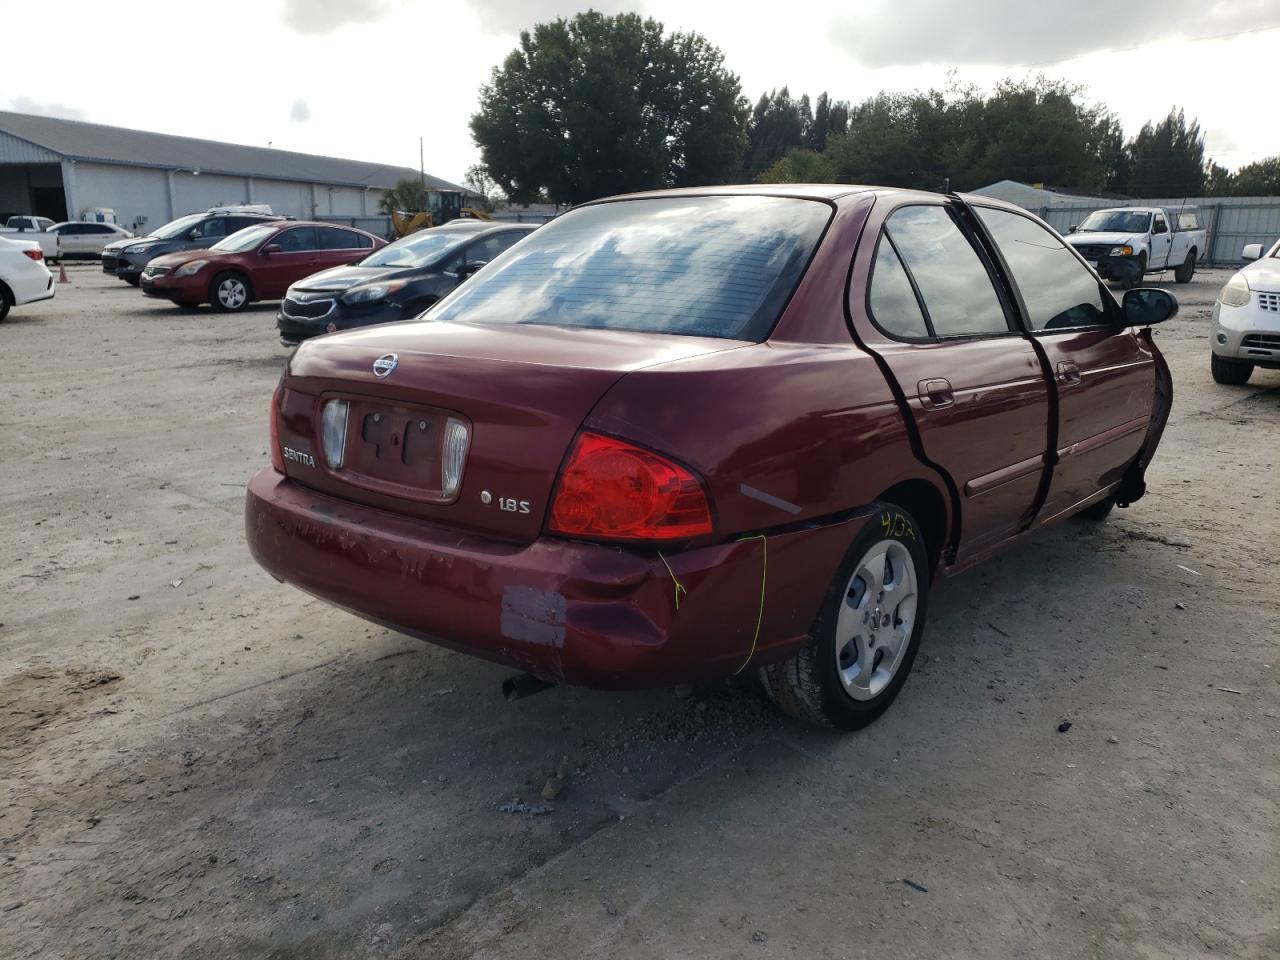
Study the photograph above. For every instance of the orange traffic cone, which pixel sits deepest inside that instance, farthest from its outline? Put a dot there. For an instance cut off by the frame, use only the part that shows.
(62, 274)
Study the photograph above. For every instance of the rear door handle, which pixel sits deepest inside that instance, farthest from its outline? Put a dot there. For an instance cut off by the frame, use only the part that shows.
(935, 394)
(1068, 373)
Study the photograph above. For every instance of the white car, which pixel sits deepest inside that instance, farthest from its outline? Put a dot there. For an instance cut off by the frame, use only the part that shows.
(1245, 331)
(23, 276)
(86, 238)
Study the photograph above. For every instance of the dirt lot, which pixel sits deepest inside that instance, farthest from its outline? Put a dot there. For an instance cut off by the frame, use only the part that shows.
(197, 761)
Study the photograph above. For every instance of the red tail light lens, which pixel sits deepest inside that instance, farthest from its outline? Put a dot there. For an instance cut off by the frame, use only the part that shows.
(34, 254)
(611, 490)
(277, 453)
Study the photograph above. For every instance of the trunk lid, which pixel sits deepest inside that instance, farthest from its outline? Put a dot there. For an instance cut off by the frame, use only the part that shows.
(523, 392)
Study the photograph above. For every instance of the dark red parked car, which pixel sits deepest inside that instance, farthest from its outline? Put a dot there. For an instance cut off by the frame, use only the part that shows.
(686, 434)
(256, 263)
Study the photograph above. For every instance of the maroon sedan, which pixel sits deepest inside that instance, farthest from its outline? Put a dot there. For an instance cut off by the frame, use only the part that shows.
(256, 263)
(685, 434)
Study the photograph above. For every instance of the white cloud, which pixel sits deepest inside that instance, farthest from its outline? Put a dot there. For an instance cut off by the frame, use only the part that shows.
(27, 105)
(324, 16)
(887, 33)
(300, 112)
(512, 16)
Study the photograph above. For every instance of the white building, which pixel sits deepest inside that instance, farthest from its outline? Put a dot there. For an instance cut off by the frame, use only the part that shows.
(63, 168)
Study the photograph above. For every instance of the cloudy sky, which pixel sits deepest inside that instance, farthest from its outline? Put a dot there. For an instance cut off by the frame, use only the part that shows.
(366, 78)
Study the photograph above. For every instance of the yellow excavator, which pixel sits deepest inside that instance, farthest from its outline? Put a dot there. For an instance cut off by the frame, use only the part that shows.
(442, 206)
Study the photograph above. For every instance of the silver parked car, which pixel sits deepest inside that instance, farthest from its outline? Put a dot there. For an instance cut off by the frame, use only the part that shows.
(1246, 318)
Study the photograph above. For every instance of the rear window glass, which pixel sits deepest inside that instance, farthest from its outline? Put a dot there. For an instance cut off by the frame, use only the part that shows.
(700, 266)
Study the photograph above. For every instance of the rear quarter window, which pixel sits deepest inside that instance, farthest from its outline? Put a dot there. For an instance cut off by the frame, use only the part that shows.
(720, 266)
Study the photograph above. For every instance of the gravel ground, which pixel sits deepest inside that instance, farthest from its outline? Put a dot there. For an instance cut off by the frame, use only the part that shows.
(197, 761)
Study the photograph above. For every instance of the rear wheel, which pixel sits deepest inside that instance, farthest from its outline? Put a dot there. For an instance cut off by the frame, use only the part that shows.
(6, 301)
(229, 292)
(866, 636)
(133, 280)
(1228, 371)
(1184, 273)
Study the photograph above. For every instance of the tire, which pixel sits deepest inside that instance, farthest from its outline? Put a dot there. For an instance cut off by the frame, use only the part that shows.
(1184, 273)
(133, 281)
(1097, 512)
(229, 292)
(1228, 371)
(839, 678)
(6, 301)
(1142, 272)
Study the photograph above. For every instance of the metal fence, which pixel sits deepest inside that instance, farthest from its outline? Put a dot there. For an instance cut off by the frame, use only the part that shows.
(1230, 222)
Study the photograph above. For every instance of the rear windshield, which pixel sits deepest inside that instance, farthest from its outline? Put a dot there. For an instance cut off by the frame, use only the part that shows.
(701, 266)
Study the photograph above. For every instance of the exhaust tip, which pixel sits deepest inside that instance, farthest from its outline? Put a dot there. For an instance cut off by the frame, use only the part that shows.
(524, 685)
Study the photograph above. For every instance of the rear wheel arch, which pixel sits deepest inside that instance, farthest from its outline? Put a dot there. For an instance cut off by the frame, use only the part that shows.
(924, 501)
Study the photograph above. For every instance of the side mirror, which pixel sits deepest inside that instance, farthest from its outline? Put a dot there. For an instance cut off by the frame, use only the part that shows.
(1160, 228)
(193, 233)
(1251, 251)
(1147, 305)
(467, 269)
(271, 248)
(1073, 228)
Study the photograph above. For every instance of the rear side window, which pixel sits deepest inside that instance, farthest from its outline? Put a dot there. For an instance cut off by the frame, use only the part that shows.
(333, 238)
(959, 300)
(893, 303)
(720, 266)
(1188, 220)
(1058, 290)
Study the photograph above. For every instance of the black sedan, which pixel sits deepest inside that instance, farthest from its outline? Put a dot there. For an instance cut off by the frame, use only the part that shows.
(397, 282)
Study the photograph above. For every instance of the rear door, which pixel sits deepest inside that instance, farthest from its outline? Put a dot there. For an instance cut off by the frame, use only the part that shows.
(339, 247)
(972, 381)
(1104, 373)
(298, 257)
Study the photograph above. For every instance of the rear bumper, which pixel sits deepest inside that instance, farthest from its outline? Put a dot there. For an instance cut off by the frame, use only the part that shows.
(586, 614)
(31, 284)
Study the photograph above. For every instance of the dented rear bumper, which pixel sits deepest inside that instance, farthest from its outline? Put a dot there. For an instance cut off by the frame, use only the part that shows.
(581, 613)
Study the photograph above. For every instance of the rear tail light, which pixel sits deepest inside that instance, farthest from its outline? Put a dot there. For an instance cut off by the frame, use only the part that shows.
(612, 490)
(277, 453)
(456, 439)
(333, 432)
(34, 254)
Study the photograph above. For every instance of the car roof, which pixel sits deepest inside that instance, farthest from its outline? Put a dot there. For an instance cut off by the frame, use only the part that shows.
(809, 191)
(284, 223)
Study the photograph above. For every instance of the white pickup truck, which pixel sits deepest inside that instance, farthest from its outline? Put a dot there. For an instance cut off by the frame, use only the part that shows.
(1124, 243)
(33, 228)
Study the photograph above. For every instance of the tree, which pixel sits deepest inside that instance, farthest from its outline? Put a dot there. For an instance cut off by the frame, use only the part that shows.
(1111, 153)
(608, 104)
(1167, 158)
(800, 166)
(1218, 180)
(478, 180)
(408, 196)
(778, 124)
(1260, 179)
(829, 119)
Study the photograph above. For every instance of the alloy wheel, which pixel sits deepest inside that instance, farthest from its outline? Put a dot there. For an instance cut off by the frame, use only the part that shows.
(876, 619)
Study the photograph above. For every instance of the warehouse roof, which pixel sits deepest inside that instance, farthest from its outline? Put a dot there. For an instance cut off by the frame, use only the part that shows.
(76, 140)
